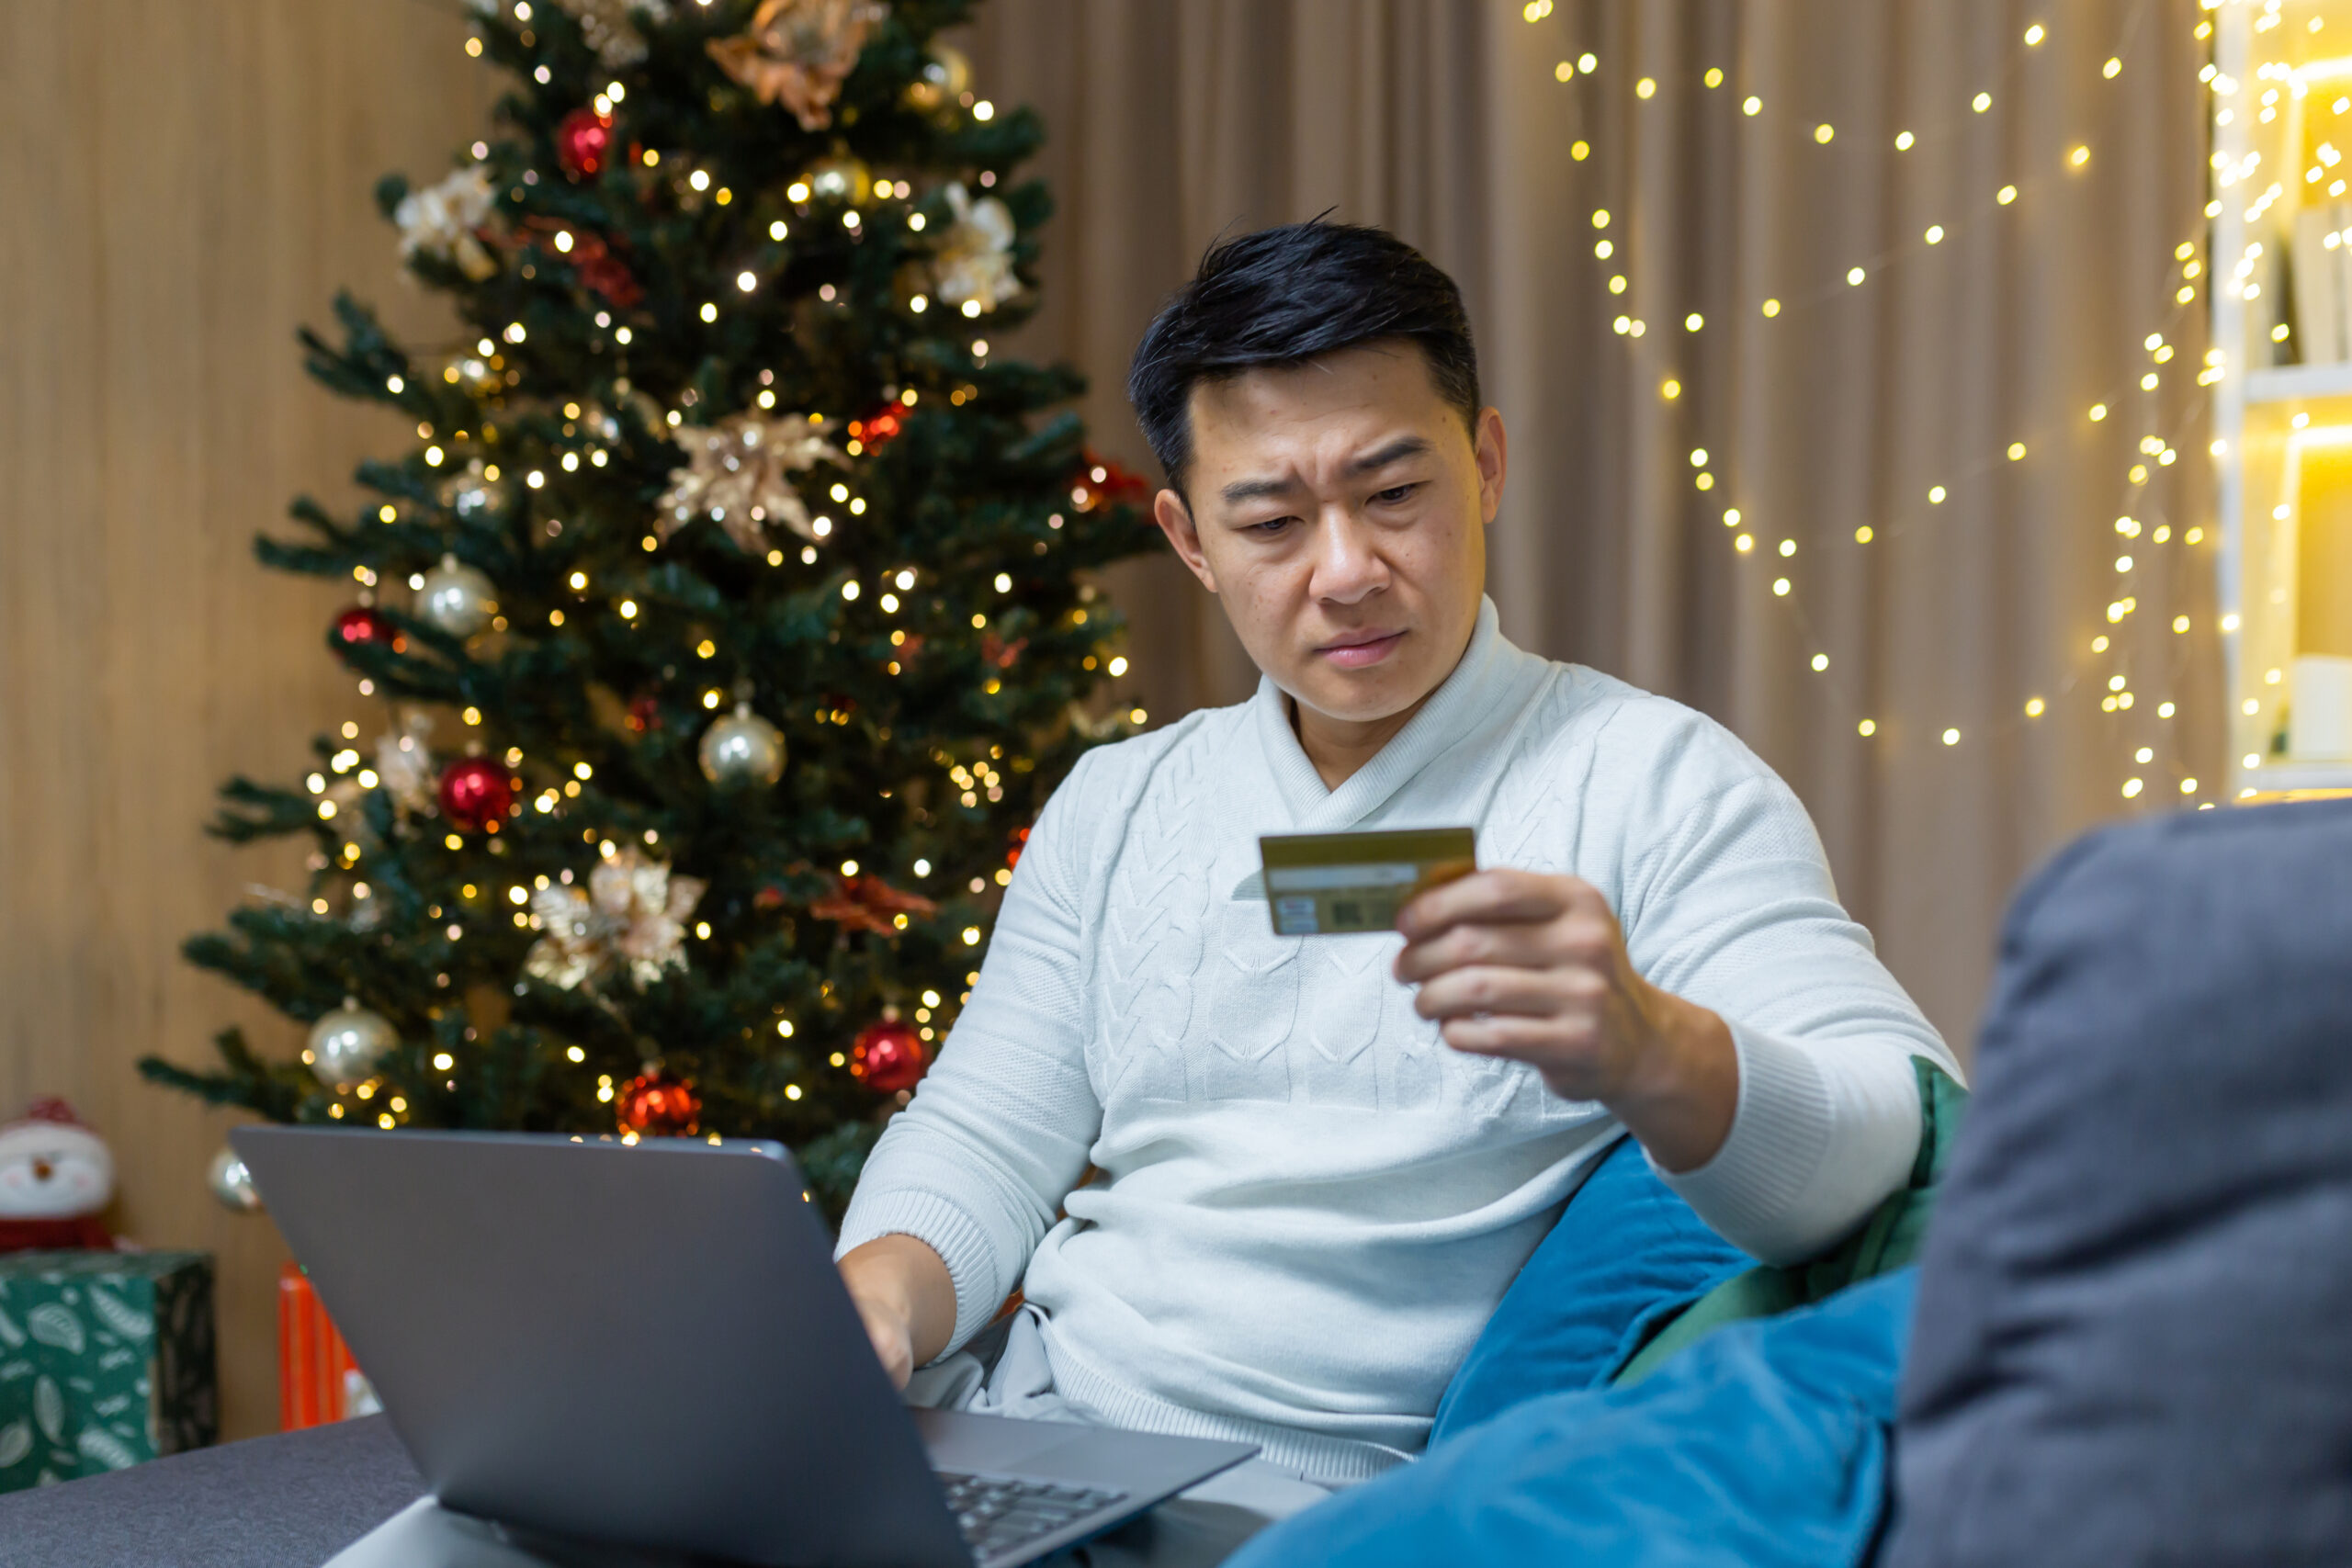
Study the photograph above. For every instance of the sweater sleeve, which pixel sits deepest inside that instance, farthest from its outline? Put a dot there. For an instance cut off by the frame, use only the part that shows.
(1736, 910)
(998, 1132)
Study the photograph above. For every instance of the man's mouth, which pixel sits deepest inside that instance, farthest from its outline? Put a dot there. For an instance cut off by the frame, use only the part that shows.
(1353, 650)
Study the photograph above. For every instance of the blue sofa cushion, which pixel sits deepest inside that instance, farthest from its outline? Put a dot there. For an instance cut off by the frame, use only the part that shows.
(1889, 1239)
(1623, 1251)
(1762, 1446)
(2132, 1341)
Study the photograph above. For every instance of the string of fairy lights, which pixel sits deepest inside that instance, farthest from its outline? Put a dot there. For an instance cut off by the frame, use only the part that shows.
(2136, 533)
(2313, 169)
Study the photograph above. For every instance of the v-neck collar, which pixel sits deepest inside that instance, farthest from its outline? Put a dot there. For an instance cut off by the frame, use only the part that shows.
(1460, 702)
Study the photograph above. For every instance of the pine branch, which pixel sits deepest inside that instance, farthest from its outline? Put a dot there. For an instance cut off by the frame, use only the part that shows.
(276, 1092)
(831, 1162)
(251, 811)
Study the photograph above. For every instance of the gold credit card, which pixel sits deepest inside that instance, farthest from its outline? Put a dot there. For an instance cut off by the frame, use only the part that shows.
(1328, 884)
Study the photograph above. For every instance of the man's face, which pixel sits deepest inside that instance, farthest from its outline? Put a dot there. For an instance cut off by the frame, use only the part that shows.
(1338, 508)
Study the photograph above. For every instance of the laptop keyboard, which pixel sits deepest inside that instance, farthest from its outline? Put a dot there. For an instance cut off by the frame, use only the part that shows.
(997, 1515)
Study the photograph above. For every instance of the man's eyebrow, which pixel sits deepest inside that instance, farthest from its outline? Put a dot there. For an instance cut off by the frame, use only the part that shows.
(1240, 490)
(1402, 447)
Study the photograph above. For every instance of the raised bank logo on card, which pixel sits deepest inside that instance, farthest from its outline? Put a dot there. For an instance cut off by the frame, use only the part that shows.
(1332, 884)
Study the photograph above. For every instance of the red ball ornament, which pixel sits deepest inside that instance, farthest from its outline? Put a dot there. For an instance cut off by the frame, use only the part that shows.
(476, 794)
(877, 428)
(889, 1057)
(1101, 481)
(583, 142)
(364, 623)
(658, 1105)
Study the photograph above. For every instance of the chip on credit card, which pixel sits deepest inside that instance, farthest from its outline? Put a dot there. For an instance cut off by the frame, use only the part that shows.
(1331, 884)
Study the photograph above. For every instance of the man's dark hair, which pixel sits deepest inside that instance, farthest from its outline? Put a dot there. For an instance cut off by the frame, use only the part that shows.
(1281, 296)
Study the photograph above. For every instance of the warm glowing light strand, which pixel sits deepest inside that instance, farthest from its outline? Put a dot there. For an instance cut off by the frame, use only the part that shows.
(2118, 697)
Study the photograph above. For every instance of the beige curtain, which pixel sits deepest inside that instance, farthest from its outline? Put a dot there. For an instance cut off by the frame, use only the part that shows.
(1175, 120)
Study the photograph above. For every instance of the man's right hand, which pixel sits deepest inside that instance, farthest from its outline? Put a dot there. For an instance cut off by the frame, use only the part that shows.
(904, 1294)
(894, 1342)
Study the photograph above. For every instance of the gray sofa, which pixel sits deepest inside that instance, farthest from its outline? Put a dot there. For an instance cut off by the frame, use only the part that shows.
(2133, 1342)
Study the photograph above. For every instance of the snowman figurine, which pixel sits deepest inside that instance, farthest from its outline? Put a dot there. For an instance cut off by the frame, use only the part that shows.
(55, 1177)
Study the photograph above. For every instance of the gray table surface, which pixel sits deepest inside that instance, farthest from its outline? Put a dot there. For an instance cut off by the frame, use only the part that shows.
(295, 1500)
(291, 1501)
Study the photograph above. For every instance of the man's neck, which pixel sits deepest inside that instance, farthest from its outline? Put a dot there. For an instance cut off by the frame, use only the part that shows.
(1338, 747)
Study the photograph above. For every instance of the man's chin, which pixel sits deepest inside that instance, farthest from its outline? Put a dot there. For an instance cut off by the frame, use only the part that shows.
(1362, 697)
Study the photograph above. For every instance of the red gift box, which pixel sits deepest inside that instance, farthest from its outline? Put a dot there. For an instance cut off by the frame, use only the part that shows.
(317, 1380)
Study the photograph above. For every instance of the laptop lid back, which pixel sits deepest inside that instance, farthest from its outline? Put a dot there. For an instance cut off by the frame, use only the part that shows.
(642, 1344)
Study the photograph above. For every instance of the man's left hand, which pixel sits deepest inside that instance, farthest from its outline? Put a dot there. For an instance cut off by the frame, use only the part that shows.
(1532, 967)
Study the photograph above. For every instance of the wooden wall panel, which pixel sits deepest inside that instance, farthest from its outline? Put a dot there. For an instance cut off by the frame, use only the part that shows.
(182, 182)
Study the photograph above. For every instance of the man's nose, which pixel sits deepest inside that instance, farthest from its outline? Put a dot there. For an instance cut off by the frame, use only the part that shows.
(1347, 568)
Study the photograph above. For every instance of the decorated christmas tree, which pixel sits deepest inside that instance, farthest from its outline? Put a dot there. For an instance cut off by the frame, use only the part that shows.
(722, 629)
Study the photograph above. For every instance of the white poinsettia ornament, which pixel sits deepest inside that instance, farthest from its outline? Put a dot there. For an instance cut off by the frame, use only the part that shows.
(739, 471)
(974, 261)
(55, 1177)
(443, 221)
(610, 28)
(404, 764)
(632, 917)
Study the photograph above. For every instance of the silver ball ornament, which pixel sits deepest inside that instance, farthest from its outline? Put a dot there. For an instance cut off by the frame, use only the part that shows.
(844, 179)
(233, 1184)
(743, 748)
(945, 76)
(457, 598)
(348, 1044)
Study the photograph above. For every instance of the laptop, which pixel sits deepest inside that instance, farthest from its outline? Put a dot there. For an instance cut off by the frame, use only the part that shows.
(648, 1346)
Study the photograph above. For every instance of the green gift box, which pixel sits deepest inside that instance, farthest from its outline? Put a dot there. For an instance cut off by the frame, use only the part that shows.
(106, 1360)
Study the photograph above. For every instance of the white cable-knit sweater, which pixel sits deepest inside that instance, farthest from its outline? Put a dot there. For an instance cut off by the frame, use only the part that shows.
(1310, 1205)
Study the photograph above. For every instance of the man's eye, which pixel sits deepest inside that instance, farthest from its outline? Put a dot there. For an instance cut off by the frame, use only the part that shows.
(1271, 525)
(1394, 494)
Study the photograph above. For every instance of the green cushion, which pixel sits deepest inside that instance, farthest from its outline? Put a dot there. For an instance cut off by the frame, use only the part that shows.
(1887, 1241)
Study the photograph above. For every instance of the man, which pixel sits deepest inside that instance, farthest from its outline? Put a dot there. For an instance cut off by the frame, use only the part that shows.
(1322, 1161)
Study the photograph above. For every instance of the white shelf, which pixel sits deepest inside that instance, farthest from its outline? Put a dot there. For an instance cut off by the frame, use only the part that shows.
(2278, 776)
(2278, 73)
(2292, 383)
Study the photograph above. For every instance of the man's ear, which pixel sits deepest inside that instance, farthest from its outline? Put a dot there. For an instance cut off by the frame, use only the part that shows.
(1491, 453)
(1175, 520)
